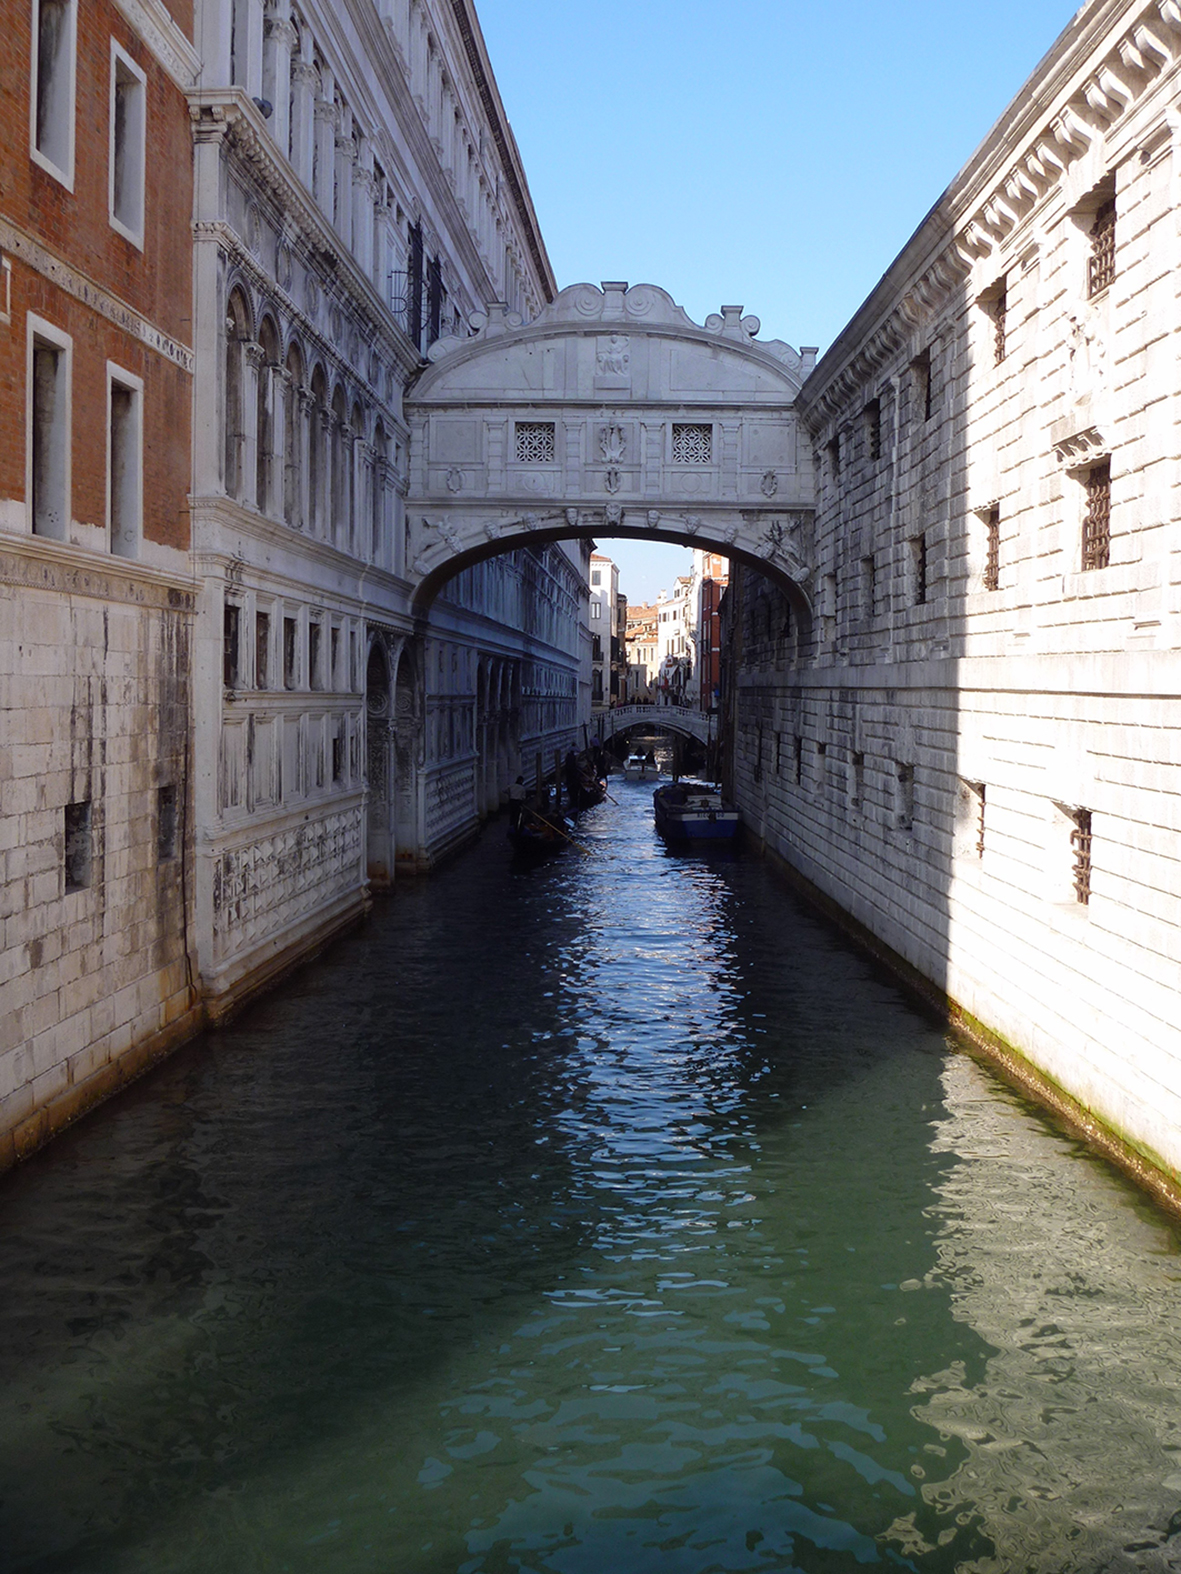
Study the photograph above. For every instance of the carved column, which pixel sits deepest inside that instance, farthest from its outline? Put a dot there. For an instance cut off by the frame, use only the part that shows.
(247, 46)
(323, 426)
(304, 416)
(304, 81)
(364, 206)
(324, 163)
(279, 41)
(214, 29)
(346, 158)
(382, 263)
(253, 368)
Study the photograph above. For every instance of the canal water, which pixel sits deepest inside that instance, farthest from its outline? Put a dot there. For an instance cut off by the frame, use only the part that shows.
(605, 1217)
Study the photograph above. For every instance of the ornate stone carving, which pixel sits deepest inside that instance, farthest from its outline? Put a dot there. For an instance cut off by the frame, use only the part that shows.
(613, 357)
(612, 444)
(769, 485)
(613, 480)
(614, 513)
(653, 518)
(455, 479)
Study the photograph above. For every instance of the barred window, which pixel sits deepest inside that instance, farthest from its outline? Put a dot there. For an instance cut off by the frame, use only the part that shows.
(918, 551)
(535, 443)
(1000, 312)
(992, 557)
(1080, 847)
(692, 444)
(1097, 522)
(873, 429)
(1101, 269)
(924, 385)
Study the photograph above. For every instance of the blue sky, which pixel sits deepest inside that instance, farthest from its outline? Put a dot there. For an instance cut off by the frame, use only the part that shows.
(771, 153)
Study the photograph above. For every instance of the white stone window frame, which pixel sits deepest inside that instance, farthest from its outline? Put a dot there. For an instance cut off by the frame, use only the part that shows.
(118, 377)
(130, 225)
(678, 427)
(39, 330)
(63, 172)
(5, 290)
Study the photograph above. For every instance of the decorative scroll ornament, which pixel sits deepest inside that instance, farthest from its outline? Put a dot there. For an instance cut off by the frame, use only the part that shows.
(613, 480)
(612, 444)
(455, 480)
(769, 485)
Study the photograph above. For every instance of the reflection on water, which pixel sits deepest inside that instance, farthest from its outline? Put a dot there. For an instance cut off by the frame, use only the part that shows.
(607, 1216)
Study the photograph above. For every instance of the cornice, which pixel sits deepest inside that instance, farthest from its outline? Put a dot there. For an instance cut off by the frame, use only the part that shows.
(1083, 92)
(34, 563)
(175, 53)
(473, 43)
(427, 179)
(25, 248)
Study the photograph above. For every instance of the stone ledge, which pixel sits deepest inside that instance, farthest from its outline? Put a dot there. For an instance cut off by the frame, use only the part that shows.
(33, 563)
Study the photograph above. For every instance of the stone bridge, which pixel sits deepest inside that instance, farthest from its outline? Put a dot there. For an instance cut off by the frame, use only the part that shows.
(611, 414)
(661, 718)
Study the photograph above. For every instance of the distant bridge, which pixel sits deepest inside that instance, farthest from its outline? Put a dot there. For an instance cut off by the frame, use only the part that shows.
(682, 719)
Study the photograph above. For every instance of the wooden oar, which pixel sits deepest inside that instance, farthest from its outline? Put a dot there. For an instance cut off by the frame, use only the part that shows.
(561, 832)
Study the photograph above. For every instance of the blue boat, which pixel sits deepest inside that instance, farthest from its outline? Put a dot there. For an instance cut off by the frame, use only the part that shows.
(693, 812)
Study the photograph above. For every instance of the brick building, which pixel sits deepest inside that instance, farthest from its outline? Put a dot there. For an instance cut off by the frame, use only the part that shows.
(96, 598)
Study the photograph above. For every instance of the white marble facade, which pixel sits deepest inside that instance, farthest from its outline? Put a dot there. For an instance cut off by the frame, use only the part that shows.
(358, 196)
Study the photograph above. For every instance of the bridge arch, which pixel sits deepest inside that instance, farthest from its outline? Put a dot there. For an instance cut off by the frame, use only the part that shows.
(680, 719)
(610, 414)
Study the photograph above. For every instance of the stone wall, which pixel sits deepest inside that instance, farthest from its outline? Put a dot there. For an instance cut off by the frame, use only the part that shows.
(96, 830)
(973, 750)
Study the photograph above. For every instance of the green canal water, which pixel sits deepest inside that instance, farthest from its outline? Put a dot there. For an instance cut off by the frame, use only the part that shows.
(608, 1217)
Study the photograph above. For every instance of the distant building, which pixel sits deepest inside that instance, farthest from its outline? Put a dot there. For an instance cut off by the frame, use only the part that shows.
(674, 642)
(602, 612)
(711, 576)
(641, 644)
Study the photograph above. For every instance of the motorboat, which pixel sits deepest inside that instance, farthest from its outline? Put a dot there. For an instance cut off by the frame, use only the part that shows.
(640, 768)
(693, 811)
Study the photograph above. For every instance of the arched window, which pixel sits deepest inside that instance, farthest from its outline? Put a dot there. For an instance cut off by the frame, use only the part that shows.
(268, 362)
(237, 336)
(293, 439)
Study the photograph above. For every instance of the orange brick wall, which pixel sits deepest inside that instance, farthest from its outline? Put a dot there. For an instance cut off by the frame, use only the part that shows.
(75, 227)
